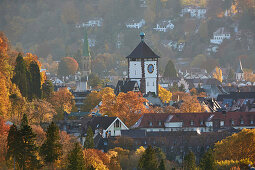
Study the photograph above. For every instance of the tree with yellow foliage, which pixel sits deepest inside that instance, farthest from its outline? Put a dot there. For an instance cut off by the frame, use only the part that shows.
(62, 101)
(190, 105)
(218, 74)
(127, 106)
(164, 94)
(237, 147)
(95, 97)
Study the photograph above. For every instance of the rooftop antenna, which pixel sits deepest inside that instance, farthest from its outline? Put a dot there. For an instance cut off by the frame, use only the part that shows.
(142, 34)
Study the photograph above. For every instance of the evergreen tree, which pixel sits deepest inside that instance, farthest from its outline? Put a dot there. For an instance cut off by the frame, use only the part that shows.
(47, 89)
(170, 71)
(89, 142)
(14, 142)
(20, 75)
(148, 160)
(207, 162)
(231, 75)
(51, 149)
(75, 158)
(190, 161)
(35, 83)
(162, 165)
(28, 149)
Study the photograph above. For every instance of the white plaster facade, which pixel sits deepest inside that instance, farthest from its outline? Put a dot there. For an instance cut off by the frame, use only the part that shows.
(151, 78)
(114, 129)
(194, 12)
(219, 36)
(136, 25)
(164, 26)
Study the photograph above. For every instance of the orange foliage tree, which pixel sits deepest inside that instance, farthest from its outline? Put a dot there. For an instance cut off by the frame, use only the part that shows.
(96, 159)
(237, 147)
(190, 105)
(95, 97)
(67, 66)
(4, 129)
(62, 101)
(127, 106)
(40, 111)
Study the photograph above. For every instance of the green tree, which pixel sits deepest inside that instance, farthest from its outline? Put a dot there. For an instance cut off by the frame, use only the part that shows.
(13, 145)
(35, 83)
(75, 158)
(170, 71)
(190, 161)
(51, 149)
(231, 75)
(148, 160)
(89, 142)
(47, 89)
(94, 80)
(20, 75)
(207, 162)
(203, 31)
(28, 148)
(162, 165)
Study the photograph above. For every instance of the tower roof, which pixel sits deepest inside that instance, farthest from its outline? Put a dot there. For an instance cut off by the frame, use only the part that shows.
(142, 50)
(239, 68)
(85, 44)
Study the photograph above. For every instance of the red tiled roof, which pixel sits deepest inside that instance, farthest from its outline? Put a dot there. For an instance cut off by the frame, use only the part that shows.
(157, 120)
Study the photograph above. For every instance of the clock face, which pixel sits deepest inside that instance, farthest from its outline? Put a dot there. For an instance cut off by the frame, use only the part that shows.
(150, 68)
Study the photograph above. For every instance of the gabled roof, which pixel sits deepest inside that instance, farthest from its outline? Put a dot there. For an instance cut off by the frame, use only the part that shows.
(125, 86)
(142, 51)
(158, 120)
(100, 122)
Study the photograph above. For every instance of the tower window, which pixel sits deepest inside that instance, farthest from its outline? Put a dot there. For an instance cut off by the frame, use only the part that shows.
(148, 84)
(135, 72)
(153, 84)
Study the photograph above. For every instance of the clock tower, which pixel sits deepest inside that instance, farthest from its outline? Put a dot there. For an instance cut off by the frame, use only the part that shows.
(143, 67)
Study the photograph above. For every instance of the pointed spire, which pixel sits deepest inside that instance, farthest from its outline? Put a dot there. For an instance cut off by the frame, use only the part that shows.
(86, 44)
(240, 67)
(142, 34)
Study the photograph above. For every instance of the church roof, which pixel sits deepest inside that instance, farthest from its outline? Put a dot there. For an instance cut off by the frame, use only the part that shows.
(142, 51)
(239, 68)
(86, 45)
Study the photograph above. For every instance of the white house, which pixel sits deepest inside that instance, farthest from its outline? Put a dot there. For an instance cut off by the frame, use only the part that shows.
(239, 72)
(135, 24)
(220, 35)
(164, 26)
(194, 12)
(91, 23)
(107, 126)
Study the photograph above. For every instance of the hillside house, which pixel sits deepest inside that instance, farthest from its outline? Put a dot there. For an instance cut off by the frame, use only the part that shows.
(164, 26)
(91, 23)
(135, 24)
(194, 12)
(220, 35)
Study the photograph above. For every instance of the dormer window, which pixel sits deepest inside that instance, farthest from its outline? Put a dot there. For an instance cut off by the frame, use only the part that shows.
(150, 123)
(201, 122)
(241, 122)
(191, 122)
(232, 122)
(159, 123)
(221, 123)
(252, 122)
